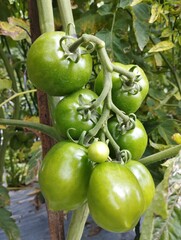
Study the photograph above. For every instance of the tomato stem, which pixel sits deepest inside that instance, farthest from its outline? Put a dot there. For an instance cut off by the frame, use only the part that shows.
(102, 120)
(124, 72)
(79, 217)
(161, 155)
(46, 18)
(50, 131)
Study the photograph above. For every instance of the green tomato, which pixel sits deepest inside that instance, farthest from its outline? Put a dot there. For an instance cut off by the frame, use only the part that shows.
(50, 70)
(127, 102)
(145, 180)
(134, 140)
(98, 152)
(70, 115)
(64, 176)
(115, 198)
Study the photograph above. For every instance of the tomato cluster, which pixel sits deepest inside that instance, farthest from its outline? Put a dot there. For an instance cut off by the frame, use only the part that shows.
(87, 166)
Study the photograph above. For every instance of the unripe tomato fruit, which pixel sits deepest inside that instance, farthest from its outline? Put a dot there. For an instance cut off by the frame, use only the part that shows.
(127, 102)
(64, 176)
(50, 70)
(145, 180)
(134, 140)
(98, 152)
(68, 116)
(115, 198)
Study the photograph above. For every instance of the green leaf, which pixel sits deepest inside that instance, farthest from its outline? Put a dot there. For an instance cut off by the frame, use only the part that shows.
(156, 9)
(162, 46)
(135, 2)
(105, 9)
(124, 3)
(141, 15)
(15, 28)
(8, 224)
(5, 84)
(4, 197)
(162, 220)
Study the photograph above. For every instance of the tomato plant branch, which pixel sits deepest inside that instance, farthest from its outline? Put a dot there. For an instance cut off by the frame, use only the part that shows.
(66, 16)
(46, 18)
(16, 95)
(11, 75)
(113, 143)
(79, 216)
(98, 126)
(50, 131)
(170, 152)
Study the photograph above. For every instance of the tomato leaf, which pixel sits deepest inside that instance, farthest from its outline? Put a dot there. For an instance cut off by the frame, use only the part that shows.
(15, 28)
(163, 219)
(156, 9)
(124, 3)
(162, 46)
(5, 84)
(141, 15)
(8, 224)
(4, 197)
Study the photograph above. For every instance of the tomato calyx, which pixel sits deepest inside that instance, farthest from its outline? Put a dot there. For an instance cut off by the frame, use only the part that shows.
(124, 126)
(65, 43)
(86, 110)
(130, 85)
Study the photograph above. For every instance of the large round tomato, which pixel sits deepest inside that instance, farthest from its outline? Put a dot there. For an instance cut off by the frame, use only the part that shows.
(71, 114)
(115, 198)
(50, 70)
(145, 180)
(134, 140)
(125, 101)
(64, 176)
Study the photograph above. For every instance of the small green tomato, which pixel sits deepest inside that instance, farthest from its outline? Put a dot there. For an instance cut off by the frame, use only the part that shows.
(98, 152)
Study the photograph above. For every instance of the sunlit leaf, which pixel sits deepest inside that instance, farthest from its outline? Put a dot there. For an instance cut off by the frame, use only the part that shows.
(8, 224)
(158, 146)
(135, 2)
(141, 15)
(155, 12)
(177, 138)
(167, 32)
(162, 46)
(15, 28)
(162, 220)
(5, 84)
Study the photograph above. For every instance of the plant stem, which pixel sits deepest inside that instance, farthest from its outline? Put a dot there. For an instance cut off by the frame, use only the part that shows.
(79, 218)
(168, 153)
(50, 131)
(46, 19)
(11, 75)
(3, 147)
(66, 15)
(17, 95)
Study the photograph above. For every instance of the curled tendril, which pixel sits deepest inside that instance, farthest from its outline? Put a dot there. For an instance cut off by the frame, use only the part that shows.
(69, 135)
(124, 156)
(65, 43)
(132, 89)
